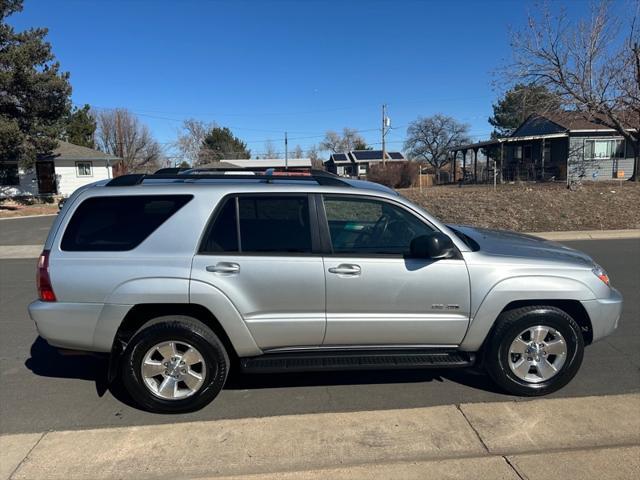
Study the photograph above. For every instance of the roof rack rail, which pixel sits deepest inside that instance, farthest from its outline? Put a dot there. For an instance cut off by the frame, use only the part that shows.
(321, 177)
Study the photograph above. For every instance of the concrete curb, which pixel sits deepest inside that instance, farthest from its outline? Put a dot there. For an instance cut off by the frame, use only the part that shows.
(20, 251)
(29, 216)
(494, 438)
(588, 235)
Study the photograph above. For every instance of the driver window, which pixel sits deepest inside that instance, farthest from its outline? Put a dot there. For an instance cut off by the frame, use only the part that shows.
(365, 226)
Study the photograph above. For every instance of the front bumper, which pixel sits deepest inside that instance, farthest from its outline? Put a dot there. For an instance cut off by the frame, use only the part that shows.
(604, 314)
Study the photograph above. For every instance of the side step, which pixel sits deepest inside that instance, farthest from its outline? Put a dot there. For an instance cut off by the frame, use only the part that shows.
(356, 360)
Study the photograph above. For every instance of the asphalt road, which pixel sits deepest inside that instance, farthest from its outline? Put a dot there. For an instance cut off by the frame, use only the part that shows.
(41, 390)
(25, 230)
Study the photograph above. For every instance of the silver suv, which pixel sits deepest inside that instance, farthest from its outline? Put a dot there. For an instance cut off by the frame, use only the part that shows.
(180, 276)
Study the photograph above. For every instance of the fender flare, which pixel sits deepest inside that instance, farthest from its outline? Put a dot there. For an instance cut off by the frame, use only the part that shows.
(228, 316)
(526, 287)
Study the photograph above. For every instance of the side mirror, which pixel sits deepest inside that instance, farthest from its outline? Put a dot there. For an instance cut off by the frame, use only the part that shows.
(435, 245)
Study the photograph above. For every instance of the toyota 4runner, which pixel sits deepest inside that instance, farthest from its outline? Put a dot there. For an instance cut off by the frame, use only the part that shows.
(180, 276)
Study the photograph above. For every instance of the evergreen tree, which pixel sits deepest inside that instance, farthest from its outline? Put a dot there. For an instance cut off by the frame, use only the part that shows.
(35, 93)
(221, 143)
(518, 103)
(80, 127)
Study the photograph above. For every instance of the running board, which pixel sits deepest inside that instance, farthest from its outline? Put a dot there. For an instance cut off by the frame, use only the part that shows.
(356, 360)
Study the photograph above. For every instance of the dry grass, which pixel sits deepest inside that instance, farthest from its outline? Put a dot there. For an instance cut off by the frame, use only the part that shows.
(11, 209)
(535, 207)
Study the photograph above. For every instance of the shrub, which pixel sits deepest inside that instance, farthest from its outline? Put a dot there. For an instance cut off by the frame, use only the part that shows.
(394, 174)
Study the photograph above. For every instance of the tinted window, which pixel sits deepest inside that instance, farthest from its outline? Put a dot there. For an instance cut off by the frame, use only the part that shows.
(118, 223)
(274, 224)
(223, 233)
(363, 226)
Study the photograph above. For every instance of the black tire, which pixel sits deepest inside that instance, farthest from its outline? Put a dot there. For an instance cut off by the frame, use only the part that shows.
(509, 325)
(180, 329)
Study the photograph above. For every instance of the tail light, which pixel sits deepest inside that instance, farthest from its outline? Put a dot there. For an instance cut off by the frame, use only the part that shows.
(43, 281)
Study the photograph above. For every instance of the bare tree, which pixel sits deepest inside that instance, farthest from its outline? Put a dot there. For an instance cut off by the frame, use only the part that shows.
(297, 152)
(349, 140)
(593, 65)
(430, 139)
(120, 133)
(190, 140)
(270, 151)
(316, 161)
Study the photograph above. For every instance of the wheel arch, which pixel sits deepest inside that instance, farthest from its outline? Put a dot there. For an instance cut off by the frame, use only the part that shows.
(560, 292)
(141, 314)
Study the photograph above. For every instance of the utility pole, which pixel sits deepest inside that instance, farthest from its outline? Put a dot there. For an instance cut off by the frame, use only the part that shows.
(286, 152)
(386, 124)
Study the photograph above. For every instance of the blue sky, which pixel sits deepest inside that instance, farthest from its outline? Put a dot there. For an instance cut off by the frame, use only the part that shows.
(263, 67)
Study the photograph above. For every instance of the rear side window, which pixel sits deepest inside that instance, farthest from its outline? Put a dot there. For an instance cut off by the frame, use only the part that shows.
(223, 232)
(118, 223)
(266, 224)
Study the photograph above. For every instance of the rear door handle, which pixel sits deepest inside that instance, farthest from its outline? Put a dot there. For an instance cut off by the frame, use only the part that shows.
(346, 269)
(224, 267)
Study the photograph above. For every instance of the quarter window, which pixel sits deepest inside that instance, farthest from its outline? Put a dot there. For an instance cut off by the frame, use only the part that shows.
(118, 223)
(365, 226)
(84, 169)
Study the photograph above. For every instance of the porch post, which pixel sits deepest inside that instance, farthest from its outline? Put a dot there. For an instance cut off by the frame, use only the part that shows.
(475, 165)
(542, 161)
(464, 165)
(501, 162)
(453, 163)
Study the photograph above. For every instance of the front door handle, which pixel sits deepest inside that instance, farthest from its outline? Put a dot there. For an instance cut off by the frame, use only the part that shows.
(224, 267)
(346, 269)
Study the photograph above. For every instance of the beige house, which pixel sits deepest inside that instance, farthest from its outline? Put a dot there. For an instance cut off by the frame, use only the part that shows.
(66, 169)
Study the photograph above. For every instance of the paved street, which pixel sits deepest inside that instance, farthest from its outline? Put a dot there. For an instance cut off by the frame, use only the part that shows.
(42, 390)
(25, 230)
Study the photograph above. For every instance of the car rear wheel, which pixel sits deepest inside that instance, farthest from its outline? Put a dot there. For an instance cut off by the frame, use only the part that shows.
(534, 350)
(174, 364)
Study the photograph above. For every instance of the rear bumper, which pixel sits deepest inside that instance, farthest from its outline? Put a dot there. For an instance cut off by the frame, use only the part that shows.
(604, 314)
(66, 325)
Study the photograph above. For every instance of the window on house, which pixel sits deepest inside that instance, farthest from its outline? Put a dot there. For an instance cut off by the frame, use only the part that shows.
(9, 174)
(517, 153)
(547, 153)
(84, 169)
(603, 149)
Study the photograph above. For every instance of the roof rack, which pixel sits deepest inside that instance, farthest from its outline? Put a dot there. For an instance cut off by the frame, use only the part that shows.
(321, 177)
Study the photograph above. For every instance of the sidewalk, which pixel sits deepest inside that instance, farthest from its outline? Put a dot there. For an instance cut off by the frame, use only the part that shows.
(590, 437)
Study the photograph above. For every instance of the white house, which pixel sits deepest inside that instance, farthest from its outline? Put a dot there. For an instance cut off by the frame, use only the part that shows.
(68, 167)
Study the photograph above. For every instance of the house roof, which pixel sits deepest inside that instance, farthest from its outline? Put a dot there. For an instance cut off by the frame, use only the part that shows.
(539, 126)
(575, 121)
(339, 157)
(270, 163)
(365, 156)
(70, 151)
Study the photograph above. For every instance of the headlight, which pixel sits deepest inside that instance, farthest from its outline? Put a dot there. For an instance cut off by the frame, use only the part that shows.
(599, 272)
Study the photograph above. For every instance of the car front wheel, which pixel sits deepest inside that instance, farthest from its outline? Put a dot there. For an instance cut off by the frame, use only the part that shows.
(534, 350)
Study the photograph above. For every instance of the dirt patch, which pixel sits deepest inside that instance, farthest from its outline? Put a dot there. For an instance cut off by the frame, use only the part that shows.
(535, 207)
(11, 209)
